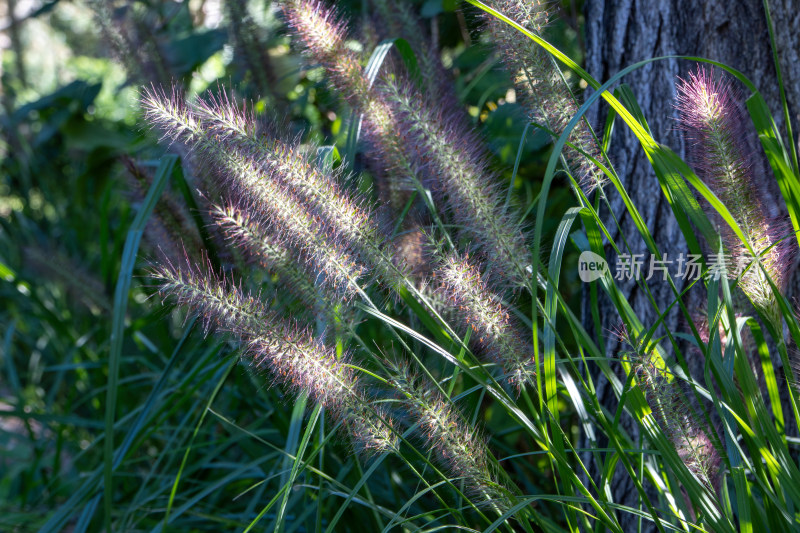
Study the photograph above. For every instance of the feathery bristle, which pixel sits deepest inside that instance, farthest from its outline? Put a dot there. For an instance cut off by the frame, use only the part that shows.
(170, 229)
(693, 443)
(338, 213)
(479, 309)
(294, 358)
(457, 446)
(245, 177)
(278, 258)
(323, 35)
(460, 174)
(710, 117)
(544, 92)
(402, 126)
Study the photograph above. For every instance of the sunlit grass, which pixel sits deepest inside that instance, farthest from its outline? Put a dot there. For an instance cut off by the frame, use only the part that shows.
(365, 360)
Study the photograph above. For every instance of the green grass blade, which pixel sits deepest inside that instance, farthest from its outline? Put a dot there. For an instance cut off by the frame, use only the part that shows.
(776, 60)
(224, 375)
(296, 425)
(118, 321)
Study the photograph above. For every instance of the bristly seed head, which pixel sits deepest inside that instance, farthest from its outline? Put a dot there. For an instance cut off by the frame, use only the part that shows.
(243, 176)
(248, 233)
(710, 116)
(494, 332)
(546, 96)
(458, 173)
(346, 218)
(324, 36)
(693, 443)
(457, 445)
(294, 358)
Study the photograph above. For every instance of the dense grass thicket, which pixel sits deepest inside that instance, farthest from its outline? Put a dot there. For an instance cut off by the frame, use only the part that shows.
(294, 266)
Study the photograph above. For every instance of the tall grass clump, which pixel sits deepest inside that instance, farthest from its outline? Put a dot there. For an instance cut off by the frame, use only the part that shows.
(321, 241)
(409, 332)
(385, 261)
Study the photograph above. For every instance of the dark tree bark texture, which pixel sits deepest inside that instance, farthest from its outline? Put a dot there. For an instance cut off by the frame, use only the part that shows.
(735, 32)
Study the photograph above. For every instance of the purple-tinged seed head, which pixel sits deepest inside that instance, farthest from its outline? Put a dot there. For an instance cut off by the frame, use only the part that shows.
(242, 175)
(694, 443)
(711, 118)
(294, 358)
(705, 103)
(495, 334)
(457, 171)
(324, 35)
(320, 27)
(458, 446)
(541, 87)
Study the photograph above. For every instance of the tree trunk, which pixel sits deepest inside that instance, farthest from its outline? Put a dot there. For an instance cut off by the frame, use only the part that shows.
(622, 32)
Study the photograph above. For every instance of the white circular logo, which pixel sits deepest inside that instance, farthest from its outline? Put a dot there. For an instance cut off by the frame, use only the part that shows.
(591, 266)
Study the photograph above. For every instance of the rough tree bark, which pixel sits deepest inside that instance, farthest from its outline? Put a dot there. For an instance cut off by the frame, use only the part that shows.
(622, 32)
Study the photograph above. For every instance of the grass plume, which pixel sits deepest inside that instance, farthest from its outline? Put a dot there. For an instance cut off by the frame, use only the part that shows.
(242, 173)
(457, 446)
(494, 334)
(293, 357)
(542, 87)
(694, 444)
(710, 118)
(461, 177)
